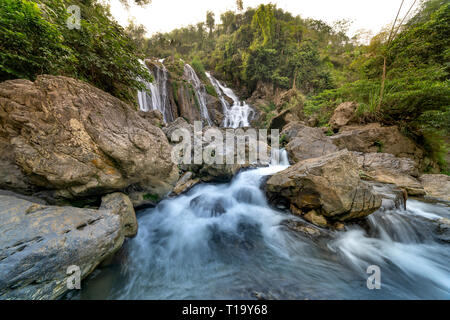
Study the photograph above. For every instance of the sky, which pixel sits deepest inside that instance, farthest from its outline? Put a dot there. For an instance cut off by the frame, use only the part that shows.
(166, 15)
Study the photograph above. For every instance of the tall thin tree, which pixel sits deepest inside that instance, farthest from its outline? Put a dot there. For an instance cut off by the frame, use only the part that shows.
(392, 35)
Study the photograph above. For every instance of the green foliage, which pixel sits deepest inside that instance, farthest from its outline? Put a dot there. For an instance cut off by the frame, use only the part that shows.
(417, 88)
(29, 44)
(283, 140)
(211, 91)
(36, 41)
(151, 197)
(197, 65)
(263, 44)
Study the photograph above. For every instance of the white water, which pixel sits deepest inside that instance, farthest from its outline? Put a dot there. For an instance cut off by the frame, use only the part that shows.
(223, 241)
(200, 91)
(237, 115)
(158, 99)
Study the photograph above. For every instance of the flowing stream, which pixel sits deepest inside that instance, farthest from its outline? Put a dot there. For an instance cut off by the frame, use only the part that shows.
(236, 115)
(223, 241)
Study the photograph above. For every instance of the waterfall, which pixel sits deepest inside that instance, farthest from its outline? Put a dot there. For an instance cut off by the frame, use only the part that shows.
(237, 115)
(200, 91)
(158, 99)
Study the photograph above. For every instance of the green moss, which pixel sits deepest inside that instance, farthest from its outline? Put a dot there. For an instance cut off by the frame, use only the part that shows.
(379, 145)
(151, 197)
(283, 140)
(211, 91)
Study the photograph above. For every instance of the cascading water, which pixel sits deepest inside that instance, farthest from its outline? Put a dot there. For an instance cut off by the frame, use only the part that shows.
(200, 92)
(237, 115)
(159, 99)
(223, 241)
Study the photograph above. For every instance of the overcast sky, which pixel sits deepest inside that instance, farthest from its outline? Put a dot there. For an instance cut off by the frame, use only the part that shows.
(166, 15)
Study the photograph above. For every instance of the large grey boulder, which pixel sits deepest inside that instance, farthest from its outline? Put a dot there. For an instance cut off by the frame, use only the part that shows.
(38, 243)
(70, 140)
(120, 204)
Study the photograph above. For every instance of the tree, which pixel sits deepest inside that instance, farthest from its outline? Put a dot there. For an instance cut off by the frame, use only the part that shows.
(392, 35)
(210, 21)
(240, 5)
(137, 33)
(264, 21)
(35, 40)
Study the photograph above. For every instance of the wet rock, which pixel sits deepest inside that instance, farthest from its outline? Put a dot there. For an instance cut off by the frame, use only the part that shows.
(436, 186)
(330, 185)
(248, 195)
(186, 182)
(392, 196)
(120, 204)
(304, 228)
(208, 207)
(215, 110)
(316, 219)
(40, 242)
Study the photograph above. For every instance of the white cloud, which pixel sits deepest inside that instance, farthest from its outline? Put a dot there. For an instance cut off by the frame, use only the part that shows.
(166, 15)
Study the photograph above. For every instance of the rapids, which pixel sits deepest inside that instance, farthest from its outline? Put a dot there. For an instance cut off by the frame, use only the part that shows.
(223, 241)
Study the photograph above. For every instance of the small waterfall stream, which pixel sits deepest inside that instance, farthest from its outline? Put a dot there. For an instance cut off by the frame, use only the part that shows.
(159, 98)
(237, 115)
(200, 91)
(223, 241)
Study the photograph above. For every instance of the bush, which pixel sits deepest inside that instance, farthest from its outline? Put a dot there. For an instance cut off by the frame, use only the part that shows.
(30, 45)
(36, 41)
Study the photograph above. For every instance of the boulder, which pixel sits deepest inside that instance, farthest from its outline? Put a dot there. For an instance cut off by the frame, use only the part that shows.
(121, 205)
(436, 185)
(40, 242)
(155, 117)
(302, 227)
(179, 123)
(306, 142)
(316, 219)
(70, 140)
(215, 110)
(186, 182)
(343, 115)
(386, 168)
(373, 138)
(330, 185)
(293, 114)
